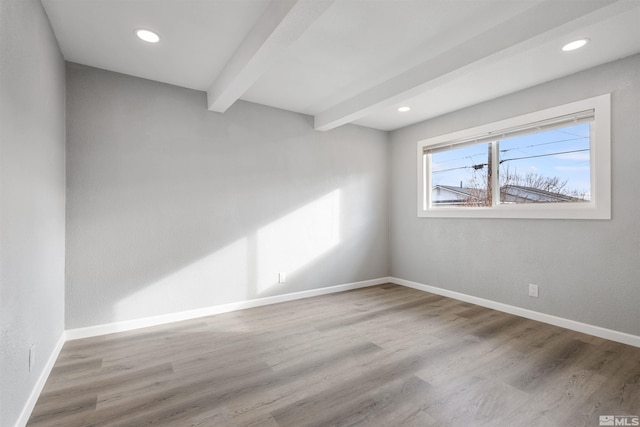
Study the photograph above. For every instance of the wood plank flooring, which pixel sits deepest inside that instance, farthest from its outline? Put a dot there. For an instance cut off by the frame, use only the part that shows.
(380, 356)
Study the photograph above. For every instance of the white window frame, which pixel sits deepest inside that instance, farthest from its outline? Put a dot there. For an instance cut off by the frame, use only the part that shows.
(598, 207)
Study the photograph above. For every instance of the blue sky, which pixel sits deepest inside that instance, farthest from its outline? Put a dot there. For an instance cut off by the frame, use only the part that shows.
(562, 152)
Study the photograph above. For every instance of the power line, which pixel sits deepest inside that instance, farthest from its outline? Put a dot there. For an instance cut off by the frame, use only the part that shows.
(514, 148)
(544, 143)
(475, 167)
(470, 157)
(482, 165)
(544, 155)
(564, 130)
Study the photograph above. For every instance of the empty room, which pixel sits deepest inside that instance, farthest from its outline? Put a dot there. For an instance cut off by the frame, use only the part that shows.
(290, 213)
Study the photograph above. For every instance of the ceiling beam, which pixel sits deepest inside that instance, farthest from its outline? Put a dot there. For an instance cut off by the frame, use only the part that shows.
(454, 62)
(282, 23)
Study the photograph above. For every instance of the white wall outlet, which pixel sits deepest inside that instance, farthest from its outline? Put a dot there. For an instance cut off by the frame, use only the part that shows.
(32, 357)
(533, 290)
(282, 277)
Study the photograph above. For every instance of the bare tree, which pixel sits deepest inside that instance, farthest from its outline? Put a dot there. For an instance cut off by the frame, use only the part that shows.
(515, 185)
(533, 180)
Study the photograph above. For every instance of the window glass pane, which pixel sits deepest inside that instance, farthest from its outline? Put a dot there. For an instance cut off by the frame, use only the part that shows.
(460, 176)
(551, 166)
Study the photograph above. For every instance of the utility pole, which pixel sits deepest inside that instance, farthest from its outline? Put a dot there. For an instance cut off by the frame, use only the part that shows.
(489, 198)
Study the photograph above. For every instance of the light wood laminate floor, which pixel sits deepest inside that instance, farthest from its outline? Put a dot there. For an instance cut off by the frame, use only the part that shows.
(380, 356)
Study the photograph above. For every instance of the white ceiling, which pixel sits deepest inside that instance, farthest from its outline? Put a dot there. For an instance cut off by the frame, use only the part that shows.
(347, 61)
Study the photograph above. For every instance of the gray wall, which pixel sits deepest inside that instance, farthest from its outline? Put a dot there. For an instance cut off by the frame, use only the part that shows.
(171, 207)
(32, 198)
(588, 271)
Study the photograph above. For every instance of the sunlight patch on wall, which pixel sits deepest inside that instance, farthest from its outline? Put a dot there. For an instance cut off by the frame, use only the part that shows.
(297, 239)
(220, 277)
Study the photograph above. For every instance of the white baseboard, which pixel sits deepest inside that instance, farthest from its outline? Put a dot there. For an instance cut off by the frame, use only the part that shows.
(39, 385)
(597, 331)
(97, 330)
(92, 331)
(127, 325)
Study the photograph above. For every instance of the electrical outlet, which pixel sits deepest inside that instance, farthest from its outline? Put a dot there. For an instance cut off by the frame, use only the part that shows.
(282, 277)
(32, 357)
(533, 290)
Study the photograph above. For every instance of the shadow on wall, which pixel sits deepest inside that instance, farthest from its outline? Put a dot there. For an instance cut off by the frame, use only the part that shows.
(248, 267)
(172, 234)
(171, 207)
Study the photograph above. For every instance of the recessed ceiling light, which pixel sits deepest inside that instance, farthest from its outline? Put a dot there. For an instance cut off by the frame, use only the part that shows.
(576, 44)
(404, 109)
(147, 35)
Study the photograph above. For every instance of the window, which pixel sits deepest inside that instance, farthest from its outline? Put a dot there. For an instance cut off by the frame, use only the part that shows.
(553, 163)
